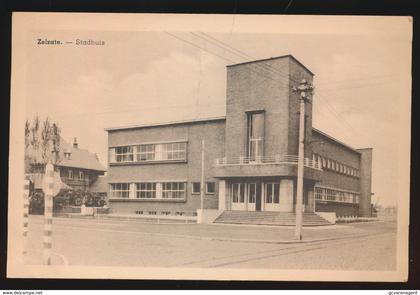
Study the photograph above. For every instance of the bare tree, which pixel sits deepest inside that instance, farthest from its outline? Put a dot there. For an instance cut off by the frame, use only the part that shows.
(46, 141)
(35, 136)
(55, 140)
(27, 134)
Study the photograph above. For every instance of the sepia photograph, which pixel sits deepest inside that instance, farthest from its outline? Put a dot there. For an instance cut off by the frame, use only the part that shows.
(209, 147)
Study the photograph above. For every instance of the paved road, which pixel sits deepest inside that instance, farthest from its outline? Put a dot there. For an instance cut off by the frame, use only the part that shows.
(363, 246)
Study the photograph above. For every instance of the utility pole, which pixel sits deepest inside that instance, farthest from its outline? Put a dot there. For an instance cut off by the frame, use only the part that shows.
(303, 89)
(202, 183)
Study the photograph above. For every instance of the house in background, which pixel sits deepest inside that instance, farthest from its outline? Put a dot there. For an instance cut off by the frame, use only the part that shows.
(251, 157)
(76, 168)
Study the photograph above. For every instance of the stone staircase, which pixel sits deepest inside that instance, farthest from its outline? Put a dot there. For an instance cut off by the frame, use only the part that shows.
(269, 218)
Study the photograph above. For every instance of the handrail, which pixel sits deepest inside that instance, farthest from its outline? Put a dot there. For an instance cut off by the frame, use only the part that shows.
(273, 159)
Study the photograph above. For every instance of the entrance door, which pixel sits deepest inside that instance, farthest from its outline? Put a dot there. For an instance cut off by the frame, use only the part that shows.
(272, 197)
(251, 196)
(259, 197)
(238, 196)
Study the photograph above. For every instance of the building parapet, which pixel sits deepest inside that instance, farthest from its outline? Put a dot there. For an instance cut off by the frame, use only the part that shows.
(263, 160)
(285, 165)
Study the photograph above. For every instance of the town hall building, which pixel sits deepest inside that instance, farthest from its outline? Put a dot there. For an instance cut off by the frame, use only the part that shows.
(251, 155)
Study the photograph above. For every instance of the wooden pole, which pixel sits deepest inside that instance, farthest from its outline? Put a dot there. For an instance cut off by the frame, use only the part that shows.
(202, 182)
(301, 157)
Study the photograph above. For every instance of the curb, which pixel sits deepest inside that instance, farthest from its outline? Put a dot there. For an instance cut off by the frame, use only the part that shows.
(272, 241)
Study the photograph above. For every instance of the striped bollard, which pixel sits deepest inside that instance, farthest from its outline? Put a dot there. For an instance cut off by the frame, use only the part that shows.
(25, 215)
(48, 210)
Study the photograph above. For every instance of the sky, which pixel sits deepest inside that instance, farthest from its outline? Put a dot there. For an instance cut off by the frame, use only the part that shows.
(165, 75)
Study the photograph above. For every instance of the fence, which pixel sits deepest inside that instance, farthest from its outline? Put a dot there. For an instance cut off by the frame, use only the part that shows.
(349, 219)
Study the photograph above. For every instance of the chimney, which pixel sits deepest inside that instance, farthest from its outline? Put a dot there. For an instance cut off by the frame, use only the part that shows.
(75, 145)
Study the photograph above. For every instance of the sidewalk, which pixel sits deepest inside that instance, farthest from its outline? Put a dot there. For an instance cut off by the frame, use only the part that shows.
(35, 257)
(234, 233)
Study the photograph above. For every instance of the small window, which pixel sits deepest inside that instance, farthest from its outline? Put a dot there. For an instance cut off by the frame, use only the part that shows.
(210, 188)
(81, 175)
(195, 188)
(71, 174)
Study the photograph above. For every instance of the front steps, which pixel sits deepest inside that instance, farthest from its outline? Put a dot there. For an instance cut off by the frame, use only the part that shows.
(269, 218)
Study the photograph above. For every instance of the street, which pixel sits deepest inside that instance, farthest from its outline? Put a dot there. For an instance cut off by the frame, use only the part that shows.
(361, 246)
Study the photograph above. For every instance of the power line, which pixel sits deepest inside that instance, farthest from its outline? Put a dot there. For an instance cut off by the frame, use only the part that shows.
(358, 86)
(242, 54)
(222, 57)
(340, 119)
(358, 79)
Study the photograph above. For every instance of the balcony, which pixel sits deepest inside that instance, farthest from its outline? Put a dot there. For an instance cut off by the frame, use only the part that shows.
(277, 165)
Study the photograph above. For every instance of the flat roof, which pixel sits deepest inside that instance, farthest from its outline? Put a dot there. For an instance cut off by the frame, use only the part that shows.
(335, 140)
(201, 120)
(271, 58)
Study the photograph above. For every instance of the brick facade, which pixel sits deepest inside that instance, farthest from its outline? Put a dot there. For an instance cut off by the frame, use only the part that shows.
(270, 176)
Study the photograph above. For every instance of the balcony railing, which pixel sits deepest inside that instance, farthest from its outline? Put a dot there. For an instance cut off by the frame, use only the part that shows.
(263, 160)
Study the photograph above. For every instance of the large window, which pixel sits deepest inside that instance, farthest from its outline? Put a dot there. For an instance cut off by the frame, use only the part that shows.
(120, 190)
(173, 151)
(334, 195)
(336, 166)
(173, 190)
(124, 154)
(255, 126)
(146, 152)
(146, 190)
(149, 152)
(272, 193)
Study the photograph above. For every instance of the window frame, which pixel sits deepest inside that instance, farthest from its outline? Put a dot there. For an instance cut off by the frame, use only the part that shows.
(149, 188)
(114, 191)
(207, 188)
(254, 145)
(273, 186)
(176, 151)
(129, 151)
(175, 189)
(193, 192)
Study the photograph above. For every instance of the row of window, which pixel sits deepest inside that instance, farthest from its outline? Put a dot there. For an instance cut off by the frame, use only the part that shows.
(247, 191)
(156, 190)
(70, 174)
(327, 194)
(336, 166)
(149, 152)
